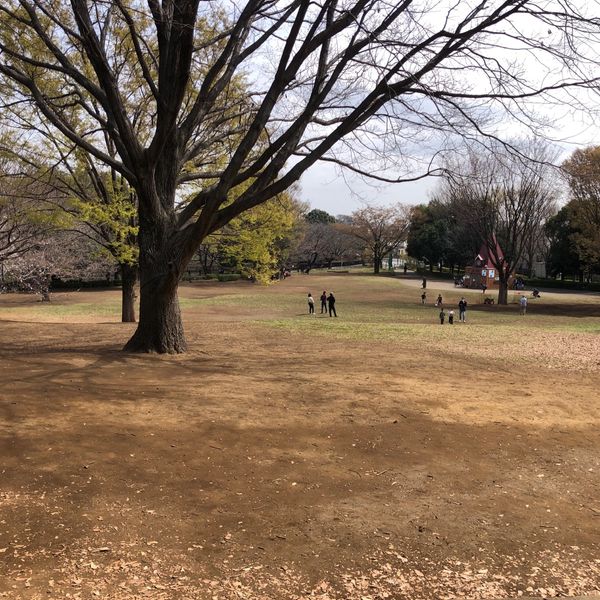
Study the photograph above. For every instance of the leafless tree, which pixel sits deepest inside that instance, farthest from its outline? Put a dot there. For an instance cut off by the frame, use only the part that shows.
(538, 245)
(341, 245)
(381, 229)
(504, 199)
(312, 244)
(24, 218)
(229, 93)
(324, 243)
(59, 254)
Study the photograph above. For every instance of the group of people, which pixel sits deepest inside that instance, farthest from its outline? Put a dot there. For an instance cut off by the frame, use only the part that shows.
(518, 283)
(327, 304)
(462, 310)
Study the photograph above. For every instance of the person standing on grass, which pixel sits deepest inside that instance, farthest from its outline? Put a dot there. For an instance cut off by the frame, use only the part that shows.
(523, 305)
(451, 317)
(439, 301)
(311, 304)
(442, 316)
(424, 283)
(423, 297)
(462, 310)
(324, 302)
(331, 303)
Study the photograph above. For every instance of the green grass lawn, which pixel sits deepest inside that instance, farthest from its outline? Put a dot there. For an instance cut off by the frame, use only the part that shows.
(369, 308)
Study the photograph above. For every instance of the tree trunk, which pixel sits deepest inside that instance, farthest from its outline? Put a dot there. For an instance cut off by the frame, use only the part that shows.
(129, 275)
(161, 264)
(160, 328)
(376, 264)
(503, 291)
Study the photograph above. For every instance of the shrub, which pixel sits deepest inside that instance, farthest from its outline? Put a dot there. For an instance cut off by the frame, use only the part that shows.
(229, 276)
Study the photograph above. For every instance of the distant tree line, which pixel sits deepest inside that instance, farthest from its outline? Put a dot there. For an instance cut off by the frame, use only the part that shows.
(48, 232)
(499, 198)
(366, 236)
(61, 225)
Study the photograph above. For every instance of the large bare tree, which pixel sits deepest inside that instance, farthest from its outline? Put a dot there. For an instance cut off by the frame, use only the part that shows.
(504, 198)
(27, 214)
(229, 93)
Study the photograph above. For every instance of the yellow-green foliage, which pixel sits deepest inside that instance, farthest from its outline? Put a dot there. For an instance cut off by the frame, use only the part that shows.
(251, 241)
(117, 217)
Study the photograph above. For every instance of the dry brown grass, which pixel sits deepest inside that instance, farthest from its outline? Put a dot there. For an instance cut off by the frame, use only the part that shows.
(378, 455)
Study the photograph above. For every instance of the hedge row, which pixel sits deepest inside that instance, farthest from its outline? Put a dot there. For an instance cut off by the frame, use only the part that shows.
(563, 285)
(229, 276)
(59, 284)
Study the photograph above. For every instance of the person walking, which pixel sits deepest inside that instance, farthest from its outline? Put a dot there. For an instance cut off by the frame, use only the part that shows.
(423, 297)
(324, 302)
(523, 305)
(442, 316)
(331, 303)
(439, 301)
(311, 304)
(462, 310)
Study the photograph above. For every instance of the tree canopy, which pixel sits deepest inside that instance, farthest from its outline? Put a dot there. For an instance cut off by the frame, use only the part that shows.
(319, 216)
(504, 200)
(563, 257)
(251, 242)
(428, 234)
(582, 170)
(381, 228)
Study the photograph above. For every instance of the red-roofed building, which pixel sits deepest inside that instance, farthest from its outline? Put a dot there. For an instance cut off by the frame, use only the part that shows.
(482, 271)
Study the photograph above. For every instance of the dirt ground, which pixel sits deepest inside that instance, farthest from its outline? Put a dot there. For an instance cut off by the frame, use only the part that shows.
(286, 458)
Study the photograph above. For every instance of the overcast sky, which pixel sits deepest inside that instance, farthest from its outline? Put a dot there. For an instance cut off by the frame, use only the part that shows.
(324, 187)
